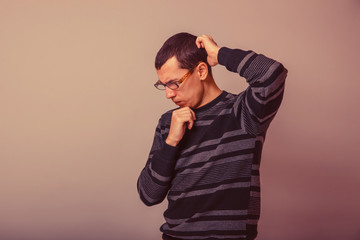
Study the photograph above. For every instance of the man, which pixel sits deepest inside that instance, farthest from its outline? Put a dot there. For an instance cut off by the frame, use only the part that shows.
(206, 153)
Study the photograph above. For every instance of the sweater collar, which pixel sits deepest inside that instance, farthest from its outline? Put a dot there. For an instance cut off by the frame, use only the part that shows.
(211, 104)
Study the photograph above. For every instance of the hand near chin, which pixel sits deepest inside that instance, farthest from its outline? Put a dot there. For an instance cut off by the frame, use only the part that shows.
(181, 119)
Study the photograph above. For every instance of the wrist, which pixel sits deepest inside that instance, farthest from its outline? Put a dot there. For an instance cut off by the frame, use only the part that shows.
(171, 142)
(213, 56)
(217, 55)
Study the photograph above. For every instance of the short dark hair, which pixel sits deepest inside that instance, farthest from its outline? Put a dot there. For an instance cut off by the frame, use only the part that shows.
(183, 47)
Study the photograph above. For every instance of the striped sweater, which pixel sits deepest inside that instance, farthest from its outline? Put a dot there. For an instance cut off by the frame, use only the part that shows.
(211, 179)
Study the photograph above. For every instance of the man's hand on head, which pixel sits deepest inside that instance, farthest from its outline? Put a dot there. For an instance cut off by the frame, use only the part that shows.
(211, 47)
(181, 118)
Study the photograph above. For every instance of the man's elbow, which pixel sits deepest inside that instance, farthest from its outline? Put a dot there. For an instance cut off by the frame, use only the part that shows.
(149, 203)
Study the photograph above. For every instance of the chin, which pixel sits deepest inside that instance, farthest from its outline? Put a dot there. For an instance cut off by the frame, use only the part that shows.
(182, 104)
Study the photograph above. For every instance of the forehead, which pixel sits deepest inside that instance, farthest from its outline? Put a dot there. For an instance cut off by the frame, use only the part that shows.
(170, 64)
(170, 70)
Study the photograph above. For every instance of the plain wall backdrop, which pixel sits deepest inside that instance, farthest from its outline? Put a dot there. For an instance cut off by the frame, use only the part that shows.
(78, 111)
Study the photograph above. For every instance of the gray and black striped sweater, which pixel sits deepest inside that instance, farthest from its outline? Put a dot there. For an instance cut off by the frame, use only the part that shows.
(211, 179)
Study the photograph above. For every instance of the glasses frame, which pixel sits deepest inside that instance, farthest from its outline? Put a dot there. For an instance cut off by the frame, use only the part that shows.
(177, 83)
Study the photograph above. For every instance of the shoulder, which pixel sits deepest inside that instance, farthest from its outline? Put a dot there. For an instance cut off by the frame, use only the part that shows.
(232, 98)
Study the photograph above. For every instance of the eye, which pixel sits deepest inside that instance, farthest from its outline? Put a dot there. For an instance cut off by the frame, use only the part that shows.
(172, 85)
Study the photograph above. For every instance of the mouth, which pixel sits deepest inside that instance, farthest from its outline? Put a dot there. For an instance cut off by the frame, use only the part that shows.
(179, 103)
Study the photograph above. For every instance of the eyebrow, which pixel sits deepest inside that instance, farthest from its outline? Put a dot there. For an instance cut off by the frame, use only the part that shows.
(172, 80)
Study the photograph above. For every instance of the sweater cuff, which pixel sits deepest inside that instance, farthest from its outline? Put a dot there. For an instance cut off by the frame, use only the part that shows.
(168, 152)
(164, 161)
(231, 58)
(223, 55)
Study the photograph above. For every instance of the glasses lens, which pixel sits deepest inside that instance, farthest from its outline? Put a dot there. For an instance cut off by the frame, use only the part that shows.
(172, 85)
(159, 86)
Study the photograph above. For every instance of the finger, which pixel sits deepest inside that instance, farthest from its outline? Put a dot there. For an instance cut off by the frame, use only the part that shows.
(190, 123)
(198, 42)
(192, 119)
(193, 114)
(190, 111)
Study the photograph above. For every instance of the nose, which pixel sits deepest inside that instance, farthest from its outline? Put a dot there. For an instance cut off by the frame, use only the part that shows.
(169, 93)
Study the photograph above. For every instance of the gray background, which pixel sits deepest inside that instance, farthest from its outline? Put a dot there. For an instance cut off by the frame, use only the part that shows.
(78, 112)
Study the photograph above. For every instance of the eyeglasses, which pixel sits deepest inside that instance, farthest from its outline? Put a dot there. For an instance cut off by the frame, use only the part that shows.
(172, 84)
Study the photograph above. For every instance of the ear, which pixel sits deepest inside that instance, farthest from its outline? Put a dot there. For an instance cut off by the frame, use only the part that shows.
(203, 70)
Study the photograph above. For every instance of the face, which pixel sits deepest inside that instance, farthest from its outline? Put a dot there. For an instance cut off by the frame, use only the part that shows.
(190, 92)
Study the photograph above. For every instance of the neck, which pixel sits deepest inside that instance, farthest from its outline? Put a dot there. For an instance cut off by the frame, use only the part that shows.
(211, 91)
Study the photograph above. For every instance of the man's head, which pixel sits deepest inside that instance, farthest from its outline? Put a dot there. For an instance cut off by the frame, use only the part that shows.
(180, 61)
(183, 47)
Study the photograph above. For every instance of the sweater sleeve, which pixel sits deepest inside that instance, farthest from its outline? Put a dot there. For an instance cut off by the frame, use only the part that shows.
(258, 104)
(155, 178)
